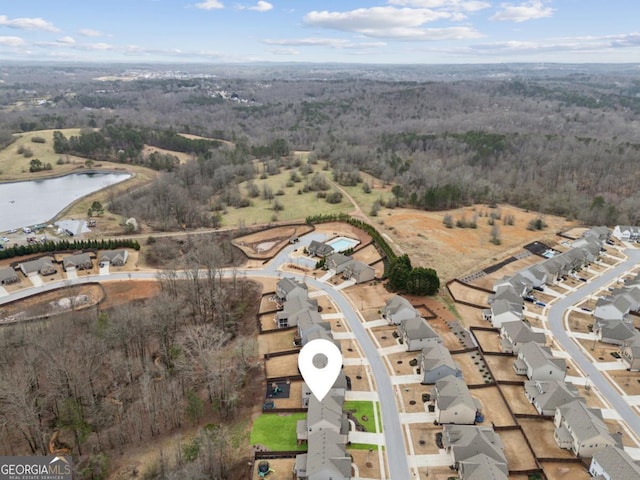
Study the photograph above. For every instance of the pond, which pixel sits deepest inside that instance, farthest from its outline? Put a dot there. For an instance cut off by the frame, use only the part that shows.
(38, 201)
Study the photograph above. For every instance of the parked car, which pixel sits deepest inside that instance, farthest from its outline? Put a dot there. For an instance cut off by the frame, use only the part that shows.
(540, 289)
(13, 230)
(5, 239)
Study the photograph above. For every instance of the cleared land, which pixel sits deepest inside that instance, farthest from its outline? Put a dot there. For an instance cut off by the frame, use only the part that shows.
(540, 435)
(456, 251)
(494, 408)
(519, 456)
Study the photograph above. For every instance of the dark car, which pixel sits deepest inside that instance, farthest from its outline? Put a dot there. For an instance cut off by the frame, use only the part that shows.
(439, 443)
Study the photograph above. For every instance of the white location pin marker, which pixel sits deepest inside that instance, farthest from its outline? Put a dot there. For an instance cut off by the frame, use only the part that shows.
(320, 380)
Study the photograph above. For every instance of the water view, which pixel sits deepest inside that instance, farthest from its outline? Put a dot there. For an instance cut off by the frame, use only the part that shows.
(37, 201)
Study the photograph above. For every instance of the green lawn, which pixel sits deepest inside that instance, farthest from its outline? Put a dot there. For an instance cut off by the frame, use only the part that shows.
(277, 432)
(360, 409)
(363, 446)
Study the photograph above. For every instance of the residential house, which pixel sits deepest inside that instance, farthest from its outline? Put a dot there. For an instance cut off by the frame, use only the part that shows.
(615, 332)
(311, 327)
(547, 395)
(358, 271)
(612, 307)
(537, 363)
(481, 467)
(627, 233)
(78, 261)
(289, 287)
(435, 363)
(292, 310)
(319, 249)
(504, 311)
(397, 309)
(8, 276)
(453, 402)
(630, 353)
(341, 383)
(326, 458)
(581, 429)
(536, 275)
(115, 258)
(337, 262)
(40, 266)
(326, 414)
(515, 334)
(475, 450)
(613, 463)
(416, 334)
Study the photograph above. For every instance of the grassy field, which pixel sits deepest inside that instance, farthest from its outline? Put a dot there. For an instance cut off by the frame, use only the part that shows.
(277, 432)
(363, 446)
(14, 166)
(296, 206)
(360, 409)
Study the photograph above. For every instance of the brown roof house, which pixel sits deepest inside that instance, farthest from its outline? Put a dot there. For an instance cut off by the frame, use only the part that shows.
(40, 266)
(78, 261)
(116, 258)
(8, 276)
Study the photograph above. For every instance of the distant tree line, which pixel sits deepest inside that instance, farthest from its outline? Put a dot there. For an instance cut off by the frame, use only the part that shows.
(65, 245)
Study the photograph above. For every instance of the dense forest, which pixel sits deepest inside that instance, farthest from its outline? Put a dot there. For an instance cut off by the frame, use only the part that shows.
(99, 381)
(562, 140)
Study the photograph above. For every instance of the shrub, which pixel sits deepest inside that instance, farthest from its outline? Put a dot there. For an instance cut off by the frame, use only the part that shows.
(38, 140)
(334, 197)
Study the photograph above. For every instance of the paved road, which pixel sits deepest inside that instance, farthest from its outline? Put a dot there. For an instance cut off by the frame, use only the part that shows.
(394, 438)
(556, 325)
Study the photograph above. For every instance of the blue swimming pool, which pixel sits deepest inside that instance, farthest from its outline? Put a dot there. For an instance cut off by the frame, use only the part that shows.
(340, 244)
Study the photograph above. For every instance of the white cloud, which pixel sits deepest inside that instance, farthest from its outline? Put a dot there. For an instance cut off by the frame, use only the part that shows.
(11, 42)
(391, 22)
(283, 51)
(261, 6)
(324, 42)
(67, 40)
(96, 46)
(458, 5)
(28, 24)
(209, 5)
(531, 10)
(88, 32)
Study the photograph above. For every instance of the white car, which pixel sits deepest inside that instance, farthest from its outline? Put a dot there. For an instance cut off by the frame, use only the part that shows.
(13, 230)
(5, 239)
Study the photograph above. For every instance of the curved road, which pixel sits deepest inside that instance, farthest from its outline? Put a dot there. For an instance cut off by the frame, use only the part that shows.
(394, 439)
(556, 325)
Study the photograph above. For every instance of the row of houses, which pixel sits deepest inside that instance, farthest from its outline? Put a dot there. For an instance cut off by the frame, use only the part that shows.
(507, 301)
(349, 268)
(325, 429)
(613, 321)
(477, 451)
(46, 265)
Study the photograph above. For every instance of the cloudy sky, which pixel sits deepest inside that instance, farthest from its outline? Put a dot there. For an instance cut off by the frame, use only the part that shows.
(383, 31)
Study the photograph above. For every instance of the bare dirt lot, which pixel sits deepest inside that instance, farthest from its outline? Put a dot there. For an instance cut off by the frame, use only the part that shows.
(423, 437)
(400, 362)
(471, 316)
(540, 435)
(462, 293)
(367, 462)
(282, 468)
(471, 365)
(358, 384)
(456, 251)
(414, 394)
(488, 341)
(517, 400)
(487, 281)
(502, 368)
(494, 408)
(123, 292)
(519, 456)
(564, 471)
(283, 366)
(384, 335)
(276, 342)
(267, 243)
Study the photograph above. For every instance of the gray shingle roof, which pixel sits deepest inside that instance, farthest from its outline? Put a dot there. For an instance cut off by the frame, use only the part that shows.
(617, 464)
